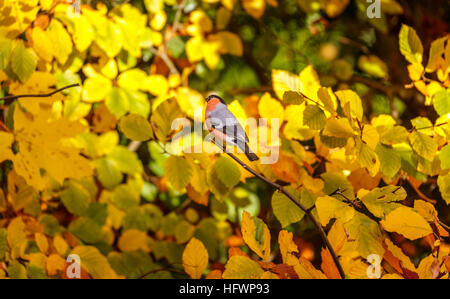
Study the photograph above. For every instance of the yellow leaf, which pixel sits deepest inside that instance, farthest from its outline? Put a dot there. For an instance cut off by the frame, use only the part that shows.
(424, 268)
(200, 23)
(328, 99)
(435, 56)
(287, 245)
(6, 140)
(368, 158)
(338, 127)
(255, 8)
(329, 207)
(211, 49)
(44, 145)
(269, 108)
(194, 50)
(135, 79)
(351, 103)
(305, 270)
(310, 83)
(42, 242)
(178, 171)
(223, 17)
(256, 235)
(61, 41)
(415, 71)
(17, 16)
(333, 8)
(156, 85)
(42, 44)
(96, 88)
(55, 264)
(95, 263)
(60, 245)
(195, 258)
(133, 240)
(407, 222)
(17, 239)
(425, 209)
(398, 253)
(229, 43)
(158, 20)
(82, 32)
(283, 81)
(410, 44)
(242, 267)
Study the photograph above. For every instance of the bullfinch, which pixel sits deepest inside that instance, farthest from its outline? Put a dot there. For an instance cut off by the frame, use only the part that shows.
(225, 127)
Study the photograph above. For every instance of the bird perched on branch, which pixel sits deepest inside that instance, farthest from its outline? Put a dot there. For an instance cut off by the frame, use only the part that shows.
(225, 127)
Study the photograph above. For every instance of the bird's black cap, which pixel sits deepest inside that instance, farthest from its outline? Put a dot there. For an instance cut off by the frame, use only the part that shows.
(215, 96)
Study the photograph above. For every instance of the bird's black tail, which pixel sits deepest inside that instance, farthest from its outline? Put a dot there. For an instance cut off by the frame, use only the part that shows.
(250, 155)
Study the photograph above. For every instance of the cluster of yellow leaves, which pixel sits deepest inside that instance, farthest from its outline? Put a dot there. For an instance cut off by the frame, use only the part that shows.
(208, 46)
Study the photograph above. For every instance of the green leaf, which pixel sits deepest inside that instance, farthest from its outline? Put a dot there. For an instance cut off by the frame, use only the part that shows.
(125, 160)
(390, 160)
(117, 102)
(444, 156)
(125, 197)
(75, 198)
(396, 134)
(94, 262)
(293, 97)
(444, 187)
(227, 171)
(410, 44)
(381, 201)
(87, 230)
(5, 52)
(441, 101)
(16, 270)
(108, 173)
(285, 210)
(135, 127)
(424, 145)
(366, 233)
(314, 117)
(334, 181)
(23, 61)
(178, 172)
(163, 117)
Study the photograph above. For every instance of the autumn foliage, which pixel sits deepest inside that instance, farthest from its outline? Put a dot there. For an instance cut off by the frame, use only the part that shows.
(104, 169)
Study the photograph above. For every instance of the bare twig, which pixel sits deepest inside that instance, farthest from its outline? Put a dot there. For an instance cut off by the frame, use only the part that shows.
(300, 205)
(43, 95)
(164, 57)
(176, 21)
(445, 226)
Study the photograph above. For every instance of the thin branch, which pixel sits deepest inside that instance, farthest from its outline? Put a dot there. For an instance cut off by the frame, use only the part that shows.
(300, 205)
(176, 21)
(164, 57)
(43, 95)
(445, 226)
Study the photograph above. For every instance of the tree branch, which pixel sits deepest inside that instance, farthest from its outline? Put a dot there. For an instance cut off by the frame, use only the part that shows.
(164, 57)
(300, 205)
(43, 95)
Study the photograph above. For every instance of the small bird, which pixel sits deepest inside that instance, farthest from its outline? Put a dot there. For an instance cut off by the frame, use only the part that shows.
(225, 127)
